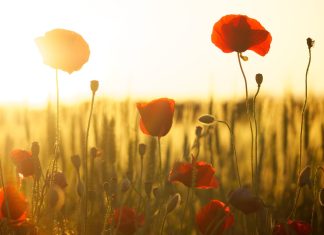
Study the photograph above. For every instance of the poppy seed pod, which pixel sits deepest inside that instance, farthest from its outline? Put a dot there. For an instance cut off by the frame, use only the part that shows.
(141, 149)
(60, 180)
(259, 78)
(304, 177)
(207, 119)
(94, 85)
(173, 202)
(310, 43)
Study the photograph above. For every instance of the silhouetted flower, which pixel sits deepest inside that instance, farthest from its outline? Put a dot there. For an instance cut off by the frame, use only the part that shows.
(13, 201)
(156, 116)
(195, 174)
(214, 218)
(24, 162)
(240, 33)
(126, 220)
(292, 227)
(243, 200)
(63, 49)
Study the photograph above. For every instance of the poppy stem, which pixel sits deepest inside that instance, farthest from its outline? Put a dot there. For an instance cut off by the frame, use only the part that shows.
(184, 209)
(58, 137)
(303, 113)
(86, 166)
(160, 160)
(234, 150)
(249, 116)
(163, 223)
(256, 142)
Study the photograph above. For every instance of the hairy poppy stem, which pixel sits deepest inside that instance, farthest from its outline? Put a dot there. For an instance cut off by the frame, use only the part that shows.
(86, 166)
(249, 116)
(234, 151)
(256, 142)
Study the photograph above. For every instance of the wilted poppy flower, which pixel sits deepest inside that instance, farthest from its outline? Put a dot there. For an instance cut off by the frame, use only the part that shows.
(292, 227)
(156, 116)
(240, 33)
(214, 218)
(126, 220)
(201, 172)
(63, 49)
(14, 202)
(245, 201)
(24, 162)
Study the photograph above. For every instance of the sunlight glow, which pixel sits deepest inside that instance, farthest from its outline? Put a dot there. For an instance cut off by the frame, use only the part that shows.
(155, 48)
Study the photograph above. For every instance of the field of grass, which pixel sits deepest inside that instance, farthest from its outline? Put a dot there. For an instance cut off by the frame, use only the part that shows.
(115, 179)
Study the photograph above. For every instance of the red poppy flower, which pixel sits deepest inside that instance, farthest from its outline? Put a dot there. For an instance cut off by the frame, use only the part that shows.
(24, 162)
(214, 218)
(156, 116)
(202, 172)
(245, 201)
(14, 202)
(240, 33)
(63, 49)
(292, 227)
(126, 220)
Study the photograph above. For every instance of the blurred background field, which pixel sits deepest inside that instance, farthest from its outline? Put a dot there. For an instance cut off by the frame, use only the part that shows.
(114, 131)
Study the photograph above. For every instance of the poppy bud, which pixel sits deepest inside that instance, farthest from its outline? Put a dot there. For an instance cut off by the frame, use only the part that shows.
(76, 161)
(125, 185)
(207, 119)
(244, 58)
(94, 84)
(259, 78)
(60, 179)
(173, 202)
(245, 201)
(310, 43)
(35, 149)
(198, 131)
(304, 177)
(142, 149)
(321, 197)
(94, 152)
(148, 188)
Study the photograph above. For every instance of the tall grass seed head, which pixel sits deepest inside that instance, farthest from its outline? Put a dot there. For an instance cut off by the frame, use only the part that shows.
(94, 85)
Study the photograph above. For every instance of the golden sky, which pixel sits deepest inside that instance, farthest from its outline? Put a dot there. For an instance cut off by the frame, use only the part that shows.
(155, 48)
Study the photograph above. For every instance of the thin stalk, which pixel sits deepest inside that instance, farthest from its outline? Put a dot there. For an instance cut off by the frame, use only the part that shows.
(292, 213)
(85, 214)
(184, 209)
(256, 140)
(303, 112)
(234, 151)
(248, 114)
(163, 223)
(160, 160)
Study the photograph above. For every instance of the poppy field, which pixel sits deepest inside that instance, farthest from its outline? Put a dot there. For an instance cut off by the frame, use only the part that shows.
(159, 166)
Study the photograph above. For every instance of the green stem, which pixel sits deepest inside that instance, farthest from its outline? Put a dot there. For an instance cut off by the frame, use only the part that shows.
(256, 141)
(234, 151)
(248, 114)
(85, 213)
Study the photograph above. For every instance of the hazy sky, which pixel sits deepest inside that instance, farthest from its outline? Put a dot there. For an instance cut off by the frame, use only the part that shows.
(154, 48)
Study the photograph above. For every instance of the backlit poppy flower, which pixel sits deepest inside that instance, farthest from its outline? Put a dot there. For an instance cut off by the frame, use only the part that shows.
(24, 162)
(200, 172)
(126, 220)
(240, 33)
(14, 202)
(292, 227)
(63, 49)
(214, 218)
(243, 200)
(156, 116)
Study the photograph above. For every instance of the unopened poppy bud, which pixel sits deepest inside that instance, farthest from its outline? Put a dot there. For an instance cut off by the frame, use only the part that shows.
(321, 197)
(148, 188)
(35, 149)
(173, 202)
(142, 149)
(310, 42)
(244, 58)
(207, 119)
(304, 177)
(94, 84)
(125, 185)
(60, 179)
(198, 131)
(93, 152)
(259, 78)
(76, 161)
